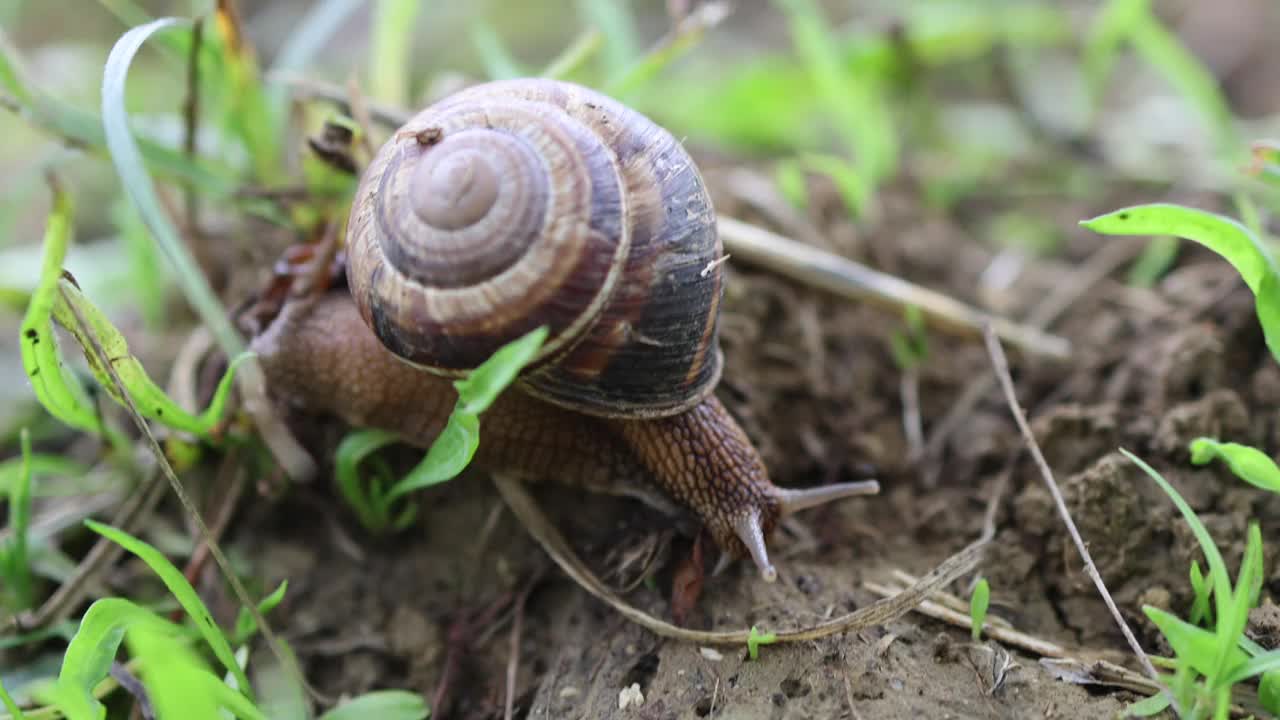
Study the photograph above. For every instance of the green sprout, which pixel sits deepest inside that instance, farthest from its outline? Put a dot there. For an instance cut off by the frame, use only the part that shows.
(978, 603)
(755, 639)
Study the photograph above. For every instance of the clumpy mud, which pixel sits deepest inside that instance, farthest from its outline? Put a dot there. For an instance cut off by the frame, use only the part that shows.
(813, 381)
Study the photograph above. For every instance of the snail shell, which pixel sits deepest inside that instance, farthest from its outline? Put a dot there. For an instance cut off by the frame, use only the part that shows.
(523, 203)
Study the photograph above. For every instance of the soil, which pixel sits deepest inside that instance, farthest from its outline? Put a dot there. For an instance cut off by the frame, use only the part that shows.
(815, 384)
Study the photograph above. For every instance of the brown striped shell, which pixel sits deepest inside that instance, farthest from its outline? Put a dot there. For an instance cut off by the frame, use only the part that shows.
(523, 203)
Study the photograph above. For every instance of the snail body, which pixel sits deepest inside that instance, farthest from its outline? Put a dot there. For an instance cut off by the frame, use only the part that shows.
(528, 203)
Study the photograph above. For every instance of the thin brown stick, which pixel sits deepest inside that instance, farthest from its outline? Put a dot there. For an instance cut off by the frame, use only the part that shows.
(191, 117)
(1001, 365)
(882, 611)
(841, 276)
(513, 661)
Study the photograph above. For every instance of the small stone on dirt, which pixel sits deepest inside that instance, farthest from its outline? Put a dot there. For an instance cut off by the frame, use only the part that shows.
(630, 696)
(711, 654)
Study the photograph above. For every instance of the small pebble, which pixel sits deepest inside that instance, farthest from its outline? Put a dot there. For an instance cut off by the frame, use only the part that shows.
(630, 696)
(569, 692)
(711, 654)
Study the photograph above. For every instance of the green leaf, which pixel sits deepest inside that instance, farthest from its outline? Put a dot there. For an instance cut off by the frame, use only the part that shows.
(14, 561)
(55, 386)
(186, 595)
(1230, 239)
(1193, 645)
(381, 704)
(1200, 610)
(90, 653)
(369, 505)
(449, 455)
(1230, 627)
(1247, 463)
(755, 639)
(130, 166)
(172, 675)
(483, 385)
(978, 603)
(1148, 707)
(1221, 582)
(1268, 689)
(151, 400)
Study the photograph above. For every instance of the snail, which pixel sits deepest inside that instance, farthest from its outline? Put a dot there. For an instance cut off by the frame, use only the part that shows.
(524, 203)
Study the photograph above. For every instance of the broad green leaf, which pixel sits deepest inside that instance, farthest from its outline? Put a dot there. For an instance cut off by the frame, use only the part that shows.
(90, 653)
(1221, 582)
(55, 386)
(1230, 239)
(1247, 463)
(186, 595)
(1193, 645)
(173, 676)
(149, 398)
(978, 604)
(482, 386)
(449, 455)
(130, 166)
(381, 704)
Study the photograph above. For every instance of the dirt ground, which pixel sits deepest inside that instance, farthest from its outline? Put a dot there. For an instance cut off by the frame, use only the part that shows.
(813, 381)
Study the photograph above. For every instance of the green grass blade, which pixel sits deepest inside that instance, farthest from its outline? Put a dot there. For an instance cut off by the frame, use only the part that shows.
(130, 166)
(615, 22)
(575, 56)
(1148, 707)
(246, 625)
(448, 456)
(1230, 239)
(393, 26)
(15, 713)
(186, 595)
(55, 386)
(16, 564)
(1247, 463)
(1200, 610)
(1110, 28)
(1217, 568)
(381, 704)
(352, 451)
(858, 104)
(1193, 645)
(311, 35)
(497, 60)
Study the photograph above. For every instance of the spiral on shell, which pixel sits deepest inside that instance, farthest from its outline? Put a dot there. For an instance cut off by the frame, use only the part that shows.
(523, 203)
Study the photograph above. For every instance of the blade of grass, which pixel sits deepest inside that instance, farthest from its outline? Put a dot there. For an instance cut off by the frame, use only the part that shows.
(494, 56)
(180, 588)
(130, 165)
(616, 23)
(15, 713)
(382, 704)
(17, 570)
(389, 48)
(575, 56)
(55, 386)
(312, 33)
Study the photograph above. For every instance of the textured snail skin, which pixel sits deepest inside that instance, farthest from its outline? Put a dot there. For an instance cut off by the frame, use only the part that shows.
(320, 358)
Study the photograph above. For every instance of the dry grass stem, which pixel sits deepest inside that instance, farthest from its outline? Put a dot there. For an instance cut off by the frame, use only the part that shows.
(1001, 365)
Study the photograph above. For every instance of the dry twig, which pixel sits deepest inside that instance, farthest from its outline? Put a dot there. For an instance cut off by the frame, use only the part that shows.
(1001, 365)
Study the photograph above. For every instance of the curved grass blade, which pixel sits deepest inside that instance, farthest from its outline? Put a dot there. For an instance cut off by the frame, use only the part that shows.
(15, 713)
(129, 164)
(978, 604)
(15, 565)
(181, 589)
(381, 704)
(55, 386)
(352, 451)
(1230, 239)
